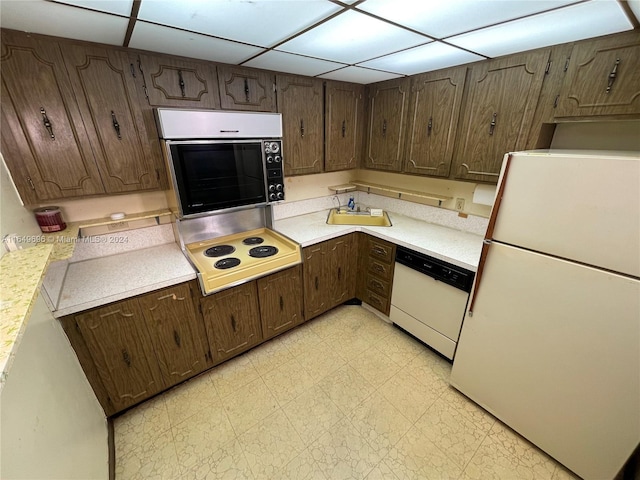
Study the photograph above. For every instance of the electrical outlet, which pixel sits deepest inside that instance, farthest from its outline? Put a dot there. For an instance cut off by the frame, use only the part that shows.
(459, 204)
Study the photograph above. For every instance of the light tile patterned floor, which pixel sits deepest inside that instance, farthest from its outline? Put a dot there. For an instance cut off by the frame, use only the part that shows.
(345, 396)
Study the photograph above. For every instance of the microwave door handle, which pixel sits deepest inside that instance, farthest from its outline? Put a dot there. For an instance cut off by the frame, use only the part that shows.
(229, 131)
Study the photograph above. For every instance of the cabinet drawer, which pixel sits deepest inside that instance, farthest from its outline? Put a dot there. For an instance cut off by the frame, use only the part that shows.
(377, 302)
(381, 250)
(380, 269)
(378, 286)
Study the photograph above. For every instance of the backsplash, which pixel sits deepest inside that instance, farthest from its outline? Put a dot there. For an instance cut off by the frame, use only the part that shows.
(426, 213)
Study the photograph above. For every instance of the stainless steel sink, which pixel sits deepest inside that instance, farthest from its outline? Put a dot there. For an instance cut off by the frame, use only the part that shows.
(343, 217)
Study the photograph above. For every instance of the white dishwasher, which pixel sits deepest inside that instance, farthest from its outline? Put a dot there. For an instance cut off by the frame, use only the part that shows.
(429, 298)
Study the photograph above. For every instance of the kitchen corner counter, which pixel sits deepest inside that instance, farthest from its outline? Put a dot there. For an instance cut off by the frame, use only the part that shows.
(453, 246)
(96, 282)
(21, 276)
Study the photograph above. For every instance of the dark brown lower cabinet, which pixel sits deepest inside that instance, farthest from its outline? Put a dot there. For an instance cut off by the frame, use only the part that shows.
(329, 274)
(177, 334)
(232, 320)
(280, 298)
(122, 352)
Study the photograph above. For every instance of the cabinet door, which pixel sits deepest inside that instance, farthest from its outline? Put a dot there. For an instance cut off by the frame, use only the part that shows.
(388, 103)
(603, 78)
(107, 100)
(300, 102)
(433, 121)
(341, 269)
(44, 140)
(119, 344)
(175, 82)
(316, 283)
(343, 125)
(496, 119)
(177, 335)
(246, 89)
(232, 321)
(280, 297)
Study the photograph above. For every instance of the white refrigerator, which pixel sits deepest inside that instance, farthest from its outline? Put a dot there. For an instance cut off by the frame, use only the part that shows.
(550, 342)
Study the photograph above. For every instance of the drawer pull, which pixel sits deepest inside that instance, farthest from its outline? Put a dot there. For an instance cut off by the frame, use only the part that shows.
(176, 338)
(430, 126)
(612, 76)
(246, 89)
(116, 125)
(339, 273)
(181, 83)
(377, 285)
(378, 268)
(233, 324)
(492, 125)
(344, 128)
(379, 250)
(281, 303)
(375, 300)
(316, 283)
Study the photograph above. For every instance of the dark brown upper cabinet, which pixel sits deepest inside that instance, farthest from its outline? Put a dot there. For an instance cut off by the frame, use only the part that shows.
(176, 82)
(300, 102)
(44, 140)
(603, 78)
(246, 89)
(433, 121)
(497, 114)
(388, 103)
(344, 121)
(109, 105)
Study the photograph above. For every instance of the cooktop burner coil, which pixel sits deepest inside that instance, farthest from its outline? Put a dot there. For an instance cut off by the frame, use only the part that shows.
(263, 251)
(225, 263)
(253, 240)
(219, 250)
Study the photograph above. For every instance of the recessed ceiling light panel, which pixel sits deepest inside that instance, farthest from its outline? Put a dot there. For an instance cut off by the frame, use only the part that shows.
(262, 23)
(359, 75)
(443, 18)
(290, 63)
(425, 58)
(569, 24)
(118, 7)
(352, 37)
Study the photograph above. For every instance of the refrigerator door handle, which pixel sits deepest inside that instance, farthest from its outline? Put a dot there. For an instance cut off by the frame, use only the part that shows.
(489, 235)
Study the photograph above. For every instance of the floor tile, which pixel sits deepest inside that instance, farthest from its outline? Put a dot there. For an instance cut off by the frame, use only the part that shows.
(380, 423)
(410, 396)
(415, 457)
(320, 360)
(562, 473)
(348, 344)
(140, 425)
(302, 467)
(429, 368)
(346, 388)
(493, 462)
(288, 381)
(382, 472)
(268, 356)
(400, 347)
(342, 453)
(525, 453)
(185, 399)
(327, 324)
(201, 435)
(299, 340)
(226, 463)
(375, 366)
(312, 414)
(156, 459)
(451, 431)
(471, 410)
(271, 445)
(233, 374)
(249, 405)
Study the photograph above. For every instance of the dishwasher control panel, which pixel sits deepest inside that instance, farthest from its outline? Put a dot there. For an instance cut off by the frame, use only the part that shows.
(453, 275)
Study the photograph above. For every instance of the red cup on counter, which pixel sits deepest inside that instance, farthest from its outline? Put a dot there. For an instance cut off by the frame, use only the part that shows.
(50, 219)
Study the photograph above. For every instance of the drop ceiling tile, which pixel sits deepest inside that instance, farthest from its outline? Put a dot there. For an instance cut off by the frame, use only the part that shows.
(359, 75)
(444, 18)
(584, 20)
(262, 23)
(290, 63)
(352, 37)
(61, 20)
(426, 58)
(118, 7)
(156, 38)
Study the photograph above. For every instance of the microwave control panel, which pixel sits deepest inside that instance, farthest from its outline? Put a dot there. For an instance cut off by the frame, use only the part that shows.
(275, 171)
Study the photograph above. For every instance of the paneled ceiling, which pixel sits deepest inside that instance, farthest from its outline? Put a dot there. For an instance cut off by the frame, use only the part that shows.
(360, 41)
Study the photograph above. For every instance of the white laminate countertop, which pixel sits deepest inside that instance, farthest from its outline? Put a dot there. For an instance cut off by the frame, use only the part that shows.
(96, 282)
(453, 246)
